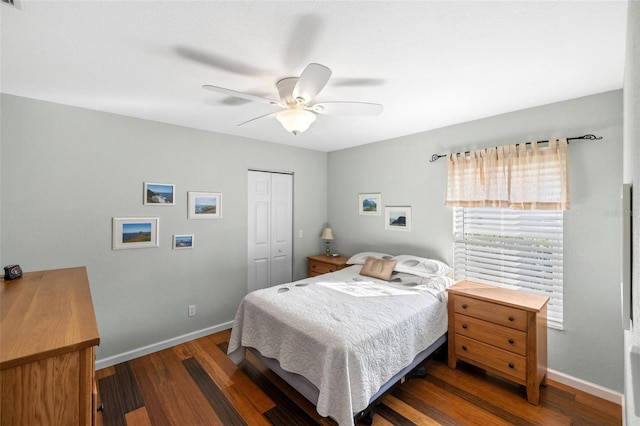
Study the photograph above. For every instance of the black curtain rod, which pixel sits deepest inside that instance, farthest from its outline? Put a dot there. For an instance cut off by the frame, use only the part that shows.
(590, 137)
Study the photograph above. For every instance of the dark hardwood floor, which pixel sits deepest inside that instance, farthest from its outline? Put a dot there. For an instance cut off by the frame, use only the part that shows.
(195, 383)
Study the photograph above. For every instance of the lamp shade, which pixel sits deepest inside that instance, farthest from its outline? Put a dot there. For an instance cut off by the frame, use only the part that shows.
(296, 120)
(327, 234)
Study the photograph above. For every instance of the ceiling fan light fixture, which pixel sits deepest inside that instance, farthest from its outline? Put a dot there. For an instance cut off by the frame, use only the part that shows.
(296, 120)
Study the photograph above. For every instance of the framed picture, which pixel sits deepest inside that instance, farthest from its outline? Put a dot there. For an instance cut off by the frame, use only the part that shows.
(369, 204)
(397, 218)
(204, 205)
(135, 232)
(181, 242)
(161, 194)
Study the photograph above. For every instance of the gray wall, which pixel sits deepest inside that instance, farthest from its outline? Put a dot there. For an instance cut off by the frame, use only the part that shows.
(632, 175)
(590, 346)
(65, 172)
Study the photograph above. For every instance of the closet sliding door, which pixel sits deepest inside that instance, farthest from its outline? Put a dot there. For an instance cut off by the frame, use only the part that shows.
(270, 229)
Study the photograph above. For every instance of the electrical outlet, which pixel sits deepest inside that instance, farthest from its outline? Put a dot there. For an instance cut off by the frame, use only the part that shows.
(192, 310)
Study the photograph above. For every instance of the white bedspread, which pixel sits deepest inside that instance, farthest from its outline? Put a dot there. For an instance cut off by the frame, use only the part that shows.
(347, 345)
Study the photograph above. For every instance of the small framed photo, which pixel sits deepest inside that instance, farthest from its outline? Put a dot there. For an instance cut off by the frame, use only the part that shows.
(204, 205)
(160, 194)
(135, 232)
(181, 242)
(397, 218)
(369, 204)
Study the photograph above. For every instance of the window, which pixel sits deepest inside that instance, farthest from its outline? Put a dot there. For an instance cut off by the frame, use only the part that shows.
(521, 248)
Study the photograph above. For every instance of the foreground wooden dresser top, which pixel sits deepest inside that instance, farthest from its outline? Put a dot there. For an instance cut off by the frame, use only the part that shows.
(48, 334)
(45, 313)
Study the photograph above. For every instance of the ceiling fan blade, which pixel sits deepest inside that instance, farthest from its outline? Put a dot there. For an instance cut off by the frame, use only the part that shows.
(311, 81)
(347, 108)
(257, 118)
(242, 95)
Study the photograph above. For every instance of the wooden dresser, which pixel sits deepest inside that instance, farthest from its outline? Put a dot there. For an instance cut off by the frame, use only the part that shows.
(502, 331)
(48, 334)
(322, 264)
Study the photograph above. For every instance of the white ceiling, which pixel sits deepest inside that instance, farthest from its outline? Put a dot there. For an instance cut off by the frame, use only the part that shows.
(430, 63)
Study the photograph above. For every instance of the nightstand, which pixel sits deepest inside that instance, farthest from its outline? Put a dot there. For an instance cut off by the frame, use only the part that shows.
(501, 331)
(322, 264)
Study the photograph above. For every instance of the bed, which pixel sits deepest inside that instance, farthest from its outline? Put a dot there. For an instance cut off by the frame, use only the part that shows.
(343, 339)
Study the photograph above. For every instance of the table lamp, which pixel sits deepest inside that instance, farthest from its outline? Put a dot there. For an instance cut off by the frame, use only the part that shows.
(327, 236)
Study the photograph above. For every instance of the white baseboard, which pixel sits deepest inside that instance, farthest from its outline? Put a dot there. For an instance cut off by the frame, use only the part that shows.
(584, 386)
(155, 347)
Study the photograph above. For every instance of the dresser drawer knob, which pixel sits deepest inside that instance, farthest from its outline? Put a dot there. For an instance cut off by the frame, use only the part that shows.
(464, 326)
(511, 318)
(464, 306)
(511, 341)
(464, 348)
(511, 365)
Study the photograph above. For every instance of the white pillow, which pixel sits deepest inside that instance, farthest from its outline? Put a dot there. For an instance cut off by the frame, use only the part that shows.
(360, 258)
(420, 266)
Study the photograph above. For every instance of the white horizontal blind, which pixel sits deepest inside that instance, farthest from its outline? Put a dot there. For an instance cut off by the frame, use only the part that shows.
(520, 248)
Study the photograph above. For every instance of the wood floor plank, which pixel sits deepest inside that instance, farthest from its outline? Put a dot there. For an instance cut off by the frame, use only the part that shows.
(295, 415)
(104, 372)
(113, 415)
(196, 383)
(138, 417)
(409, 412)
(245, 392)
(393, 416)
(453, 406)
(216, 398)
(172, 383)
(611, 408)
(497, 392)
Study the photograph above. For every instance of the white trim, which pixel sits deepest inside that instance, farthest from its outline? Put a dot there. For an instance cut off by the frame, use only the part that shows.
(155, 347)
(584, 386)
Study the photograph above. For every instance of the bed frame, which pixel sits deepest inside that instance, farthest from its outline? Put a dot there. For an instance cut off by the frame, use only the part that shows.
(309, 391)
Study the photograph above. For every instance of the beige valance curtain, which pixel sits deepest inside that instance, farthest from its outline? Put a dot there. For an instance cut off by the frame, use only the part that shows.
(518, 176)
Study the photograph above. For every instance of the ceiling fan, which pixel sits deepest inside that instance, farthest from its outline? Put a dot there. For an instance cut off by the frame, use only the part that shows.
(296, 100)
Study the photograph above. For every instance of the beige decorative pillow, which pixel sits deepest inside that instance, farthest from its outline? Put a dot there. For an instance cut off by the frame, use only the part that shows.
(378, 268)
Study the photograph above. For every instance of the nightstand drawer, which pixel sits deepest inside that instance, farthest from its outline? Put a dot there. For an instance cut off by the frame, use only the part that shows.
(499, 314)
(321, 268)
(491, 357)
(493, 334)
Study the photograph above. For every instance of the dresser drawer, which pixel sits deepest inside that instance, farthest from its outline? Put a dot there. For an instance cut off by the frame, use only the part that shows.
(499, 314)
(481, 354)
(506, 338)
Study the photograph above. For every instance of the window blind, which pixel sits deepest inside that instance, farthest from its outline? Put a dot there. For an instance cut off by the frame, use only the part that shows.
(521, 248)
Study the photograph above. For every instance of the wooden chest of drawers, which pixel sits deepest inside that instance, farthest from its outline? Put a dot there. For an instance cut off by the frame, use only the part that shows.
(502, 331)
(322, 264)
(48, 334)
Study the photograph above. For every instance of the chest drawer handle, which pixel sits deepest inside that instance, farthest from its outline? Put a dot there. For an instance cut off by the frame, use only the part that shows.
(464, 326)
(464, 306)
(511, 365)
(511, 341)
(511, 318)
(464, 348)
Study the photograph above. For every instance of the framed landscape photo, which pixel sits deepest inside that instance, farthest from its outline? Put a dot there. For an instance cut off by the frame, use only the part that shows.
(161, 194)
(397, 218)
(181, 242)
(135, 232)
(369, 204)
(204, 205)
